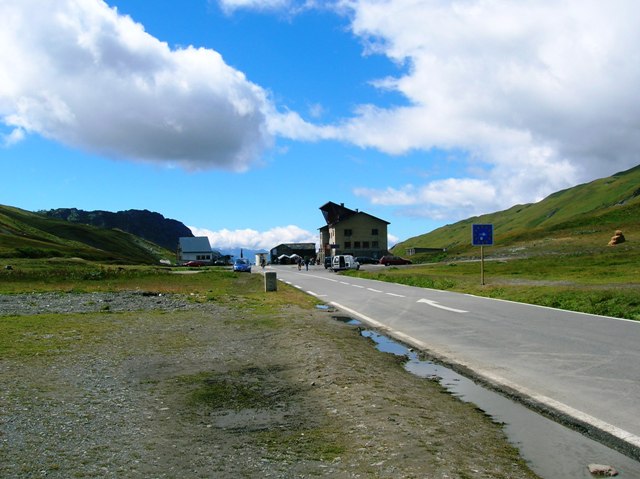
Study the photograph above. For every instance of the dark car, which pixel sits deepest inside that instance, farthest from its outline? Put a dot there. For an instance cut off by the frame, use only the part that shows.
(366, 260)
(242, 265)
(393, 260)
(327, 262)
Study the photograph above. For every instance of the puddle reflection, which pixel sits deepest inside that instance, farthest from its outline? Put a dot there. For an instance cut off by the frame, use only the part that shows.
(552, 450)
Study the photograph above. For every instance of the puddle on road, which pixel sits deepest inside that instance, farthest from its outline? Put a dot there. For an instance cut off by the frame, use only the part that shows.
(551, 449)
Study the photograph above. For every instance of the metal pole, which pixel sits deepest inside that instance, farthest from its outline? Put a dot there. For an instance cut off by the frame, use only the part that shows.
(482, 265)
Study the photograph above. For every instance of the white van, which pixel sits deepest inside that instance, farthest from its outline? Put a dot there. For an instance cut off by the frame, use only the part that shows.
(344, 261)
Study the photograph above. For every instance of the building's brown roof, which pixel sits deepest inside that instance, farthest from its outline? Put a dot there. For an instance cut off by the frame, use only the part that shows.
(334, 213)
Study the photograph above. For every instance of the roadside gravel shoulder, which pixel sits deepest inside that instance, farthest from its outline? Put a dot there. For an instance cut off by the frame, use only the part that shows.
(163, 386)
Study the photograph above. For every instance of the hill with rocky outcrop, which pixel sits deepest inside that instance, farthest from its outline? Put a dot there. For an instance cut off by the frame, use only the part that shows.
(143, 223)
(24, 234)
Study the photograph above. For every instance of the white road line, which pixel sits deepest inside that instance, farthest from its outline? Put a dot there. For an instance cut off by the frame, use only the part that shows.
(396, 295)
(437, 305)
(374, 290)
(504, 384)
(357, 286)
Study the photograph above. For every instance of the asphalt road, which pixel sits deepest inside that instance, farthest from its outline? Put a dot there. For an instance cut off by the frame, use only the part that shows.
(583, 369)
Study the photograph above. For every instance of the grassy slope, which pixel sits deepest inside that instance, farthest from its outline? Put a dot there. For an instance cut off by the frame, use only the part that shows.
(588, 213)
(26, 234)
(553, 253)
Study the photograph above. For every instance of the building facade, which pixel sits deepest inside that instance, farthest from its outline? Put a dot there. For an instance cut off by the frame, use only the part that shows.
(352, 232)
(195, 249)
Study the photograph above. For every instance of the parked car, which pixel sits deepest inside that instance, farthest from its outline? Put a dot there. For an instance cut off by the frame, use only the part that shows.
(194, 264)
(344, 261)
(366, 260)
(393, 260)
(327, 262)
(242, 265)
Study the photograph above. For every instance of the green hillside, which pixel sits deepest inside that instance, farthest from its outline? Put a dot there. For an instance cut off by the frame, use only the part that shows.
(29, 235)
(584, 216)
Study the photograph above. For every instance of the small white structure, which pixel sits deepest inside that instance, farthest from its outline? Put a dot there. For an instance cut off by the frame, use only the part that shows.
(260, 257)
(195, 248)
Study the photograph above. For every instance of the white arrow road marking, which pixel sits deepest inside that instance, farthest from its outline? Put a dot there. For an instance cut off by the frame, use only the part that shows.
(436, 305)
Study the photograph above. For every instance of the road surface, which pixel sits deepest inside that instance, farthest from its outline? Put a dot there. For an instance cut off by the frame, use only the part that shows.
(583, 369)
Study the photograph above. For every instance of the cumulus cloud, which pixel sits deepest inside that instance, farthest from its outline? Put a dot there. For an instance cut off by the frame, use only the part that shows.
(542, 93)
(78, 72)
(252, 239)
(261, 240)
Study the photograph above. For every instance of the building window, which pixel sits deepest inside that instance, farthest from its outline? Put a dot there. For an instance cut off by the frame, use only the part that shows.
(365, 245)
(374, 232)
(374, 244)
(348, 232)
(347, 244)
(356, 245)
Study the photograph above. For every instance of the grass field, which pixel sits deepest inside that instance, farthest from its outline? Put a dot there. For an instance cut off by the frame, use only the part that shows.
(603, 281)
(600, 281)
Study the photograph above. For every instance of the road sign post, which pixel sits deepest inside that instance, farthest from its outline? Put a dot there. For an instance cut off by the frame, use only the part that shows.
(482, 235)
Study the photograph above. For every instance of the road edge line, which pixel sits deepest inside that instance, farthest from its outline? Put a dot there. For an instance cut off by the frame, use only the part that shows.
(612, 436)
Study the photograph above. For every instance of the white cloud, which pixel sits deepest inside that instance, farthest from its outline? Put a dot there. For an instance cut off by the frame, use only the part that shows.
(78, 72)
(252, 239)
(258, 240)
(231, 5)
(542, 92)
(290, 6)
(15, 136)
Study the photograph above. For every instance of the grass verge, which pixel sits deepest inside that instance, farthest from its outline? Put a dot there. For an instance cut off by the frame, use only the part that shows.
(603, 282)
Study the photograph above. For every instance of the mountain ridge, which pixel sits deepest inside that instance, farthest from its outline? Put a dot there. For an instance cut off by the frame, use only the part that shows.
(24, 234)
(145, 224)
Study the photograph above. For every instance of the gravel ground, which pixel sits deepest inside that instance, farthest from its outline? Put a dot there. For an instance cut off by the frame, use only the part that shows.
(147, 385)
(40, 303)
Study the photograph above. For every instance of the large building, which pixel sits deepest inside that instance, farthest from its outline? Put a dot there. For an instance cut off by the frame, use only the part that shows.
(352, 232)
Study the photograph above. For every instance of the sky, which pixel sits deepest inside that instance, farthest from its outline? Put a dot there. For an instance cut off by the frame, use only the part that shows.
(241, 118)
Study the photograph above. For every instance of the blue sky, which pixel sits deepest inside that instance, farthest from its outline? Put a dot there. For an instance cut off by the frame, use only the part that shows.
(241, 118)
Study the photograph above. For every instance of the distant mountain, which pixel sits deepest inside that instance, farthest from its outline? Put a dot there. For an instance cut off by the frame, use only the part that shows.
(243, 253)
(148, 225)
(587, 214)
(24, 234)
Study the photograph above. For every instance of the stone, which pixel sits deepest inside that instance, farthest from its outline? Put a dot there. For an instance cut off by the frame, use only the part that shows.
(617, 238)
(602, 470)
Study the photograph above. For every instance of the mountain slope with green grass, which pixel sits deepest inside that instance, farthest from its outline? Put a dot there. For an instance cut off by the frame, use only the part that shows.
(585, 216)
(24, 234)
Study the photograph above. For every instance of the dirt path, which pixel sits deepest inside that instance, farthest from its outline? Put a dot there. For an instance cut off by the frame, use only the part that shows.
(213, 392)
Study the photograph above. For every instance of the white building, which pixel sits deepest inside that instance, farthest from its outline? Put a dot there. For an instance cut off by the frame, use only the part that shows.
(195, 249)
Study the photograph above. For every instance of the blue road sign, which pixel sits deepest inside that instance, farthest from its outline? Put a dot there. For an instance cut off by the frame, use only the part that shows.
(482, 235)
